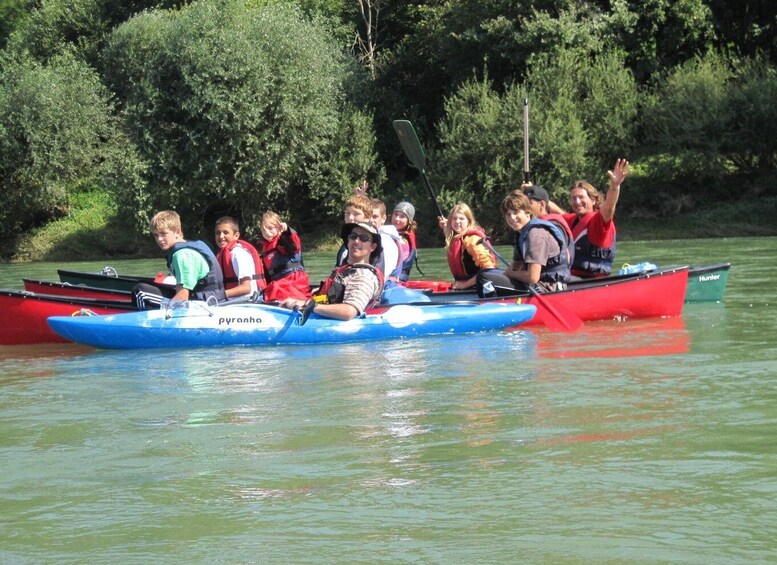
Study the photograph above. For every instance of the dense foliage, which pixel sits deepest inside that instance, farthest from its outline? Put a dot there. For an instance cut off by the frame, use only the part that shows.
(57, 135)
(236, 111)
(236, 106)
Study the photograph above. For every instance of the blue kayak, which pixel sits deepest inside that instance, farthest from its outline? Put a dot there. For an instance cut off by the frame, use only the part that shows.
(195, 324)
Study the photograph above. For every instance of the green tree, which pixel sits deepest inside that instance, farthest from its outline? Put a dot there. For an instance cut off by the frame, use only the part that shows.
(12, 14)
(746, 28)
(240, 109)
(665, 33)
(57, 135)
(583, 115)
(688, 121)
(753, 141)
(80, 26)
(709, 124)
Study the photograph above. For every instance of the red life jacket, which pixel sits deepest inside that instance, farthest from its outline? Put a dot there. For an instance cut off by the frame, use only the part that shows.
(281, 255)
(461, 263)
(334, 288)
(409, 236)
(225, 261)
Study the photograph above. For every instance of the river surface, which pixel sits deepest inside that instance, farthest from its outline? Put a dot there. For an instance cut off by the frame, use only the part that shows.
(627, 442)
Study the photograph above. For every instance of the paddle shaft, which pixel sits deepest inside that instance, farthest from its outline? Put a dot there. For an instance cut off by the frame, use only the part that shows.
(526, 175)
(490, 247)
(432, 194)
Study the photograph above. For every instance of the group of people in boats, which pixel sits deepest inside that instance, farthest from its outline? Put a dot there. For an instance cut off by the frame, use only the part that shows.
(551, 248)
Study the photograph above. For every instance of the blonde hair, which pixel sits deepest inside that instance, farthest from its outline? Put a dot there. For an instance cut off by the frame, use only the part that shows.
(380, 205)
(166, 220)
(272, 218)
(591, 190)
(466, 211)
(362, 203)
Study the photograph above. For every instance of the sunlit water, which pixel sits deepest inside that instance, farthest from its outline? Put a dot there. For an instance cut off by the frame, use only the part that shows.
(634, 442)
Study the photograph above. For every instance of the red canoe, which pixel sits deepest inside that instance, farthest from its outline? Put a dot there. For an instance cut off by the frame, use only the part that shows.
(706, 283)
(654, 294)
(25, 315)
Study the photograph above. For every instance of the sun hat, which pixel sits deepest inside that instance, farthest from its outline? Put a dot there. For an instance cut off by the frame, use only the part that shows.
(406, 208)
(348, 228)
(535, 192)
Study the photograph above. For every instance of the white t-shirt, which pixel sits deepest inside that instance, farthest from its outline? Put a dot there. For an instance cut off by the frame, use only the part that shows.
(243, 264)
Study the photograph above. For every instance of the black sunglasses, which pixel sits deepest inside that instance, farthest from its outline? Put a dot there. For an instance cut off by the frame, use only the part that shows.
(360, 236)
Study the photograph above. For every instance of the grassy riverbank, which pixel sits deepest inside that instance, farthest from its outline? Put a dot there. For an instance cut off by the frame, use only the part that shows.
(91, 232)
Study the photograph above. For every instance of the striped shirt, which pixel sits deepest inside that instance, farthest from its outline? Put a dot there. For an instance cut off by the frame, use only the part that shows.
(361, 288)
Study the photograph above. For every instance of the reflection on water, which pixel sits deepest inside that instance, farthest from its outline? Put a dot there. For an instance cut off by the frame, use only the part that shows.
(633, 338)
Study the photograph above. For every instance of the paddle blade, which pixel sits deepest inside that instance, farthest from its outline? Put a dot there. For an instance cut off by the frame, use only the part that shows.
(556, 318)
(307, 311)
(410, 144)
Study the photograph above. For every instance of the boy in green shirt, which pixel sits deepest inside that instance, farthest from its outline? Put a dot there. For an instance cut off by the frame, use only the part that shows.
(192, 263)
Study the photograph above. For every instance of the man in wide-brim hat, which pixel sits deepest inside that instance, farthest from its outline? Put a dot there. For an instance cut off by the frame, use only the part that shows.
(353, 287)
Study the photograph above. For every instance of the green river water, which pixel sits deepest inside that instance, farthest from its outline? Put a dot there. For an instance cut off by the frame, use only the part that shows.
(628, 442)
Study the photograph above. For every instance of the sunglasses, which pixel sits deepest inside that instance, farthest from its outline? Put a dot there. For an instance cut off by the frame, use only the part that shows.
(360, 236)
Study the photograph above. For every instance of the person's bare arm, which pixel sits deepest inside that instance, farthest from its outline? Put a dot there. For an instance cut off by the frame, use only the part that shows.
(528, 273)
(181, 293)
(617, 175)
(337, 311)
(554, 208)
(241, 289)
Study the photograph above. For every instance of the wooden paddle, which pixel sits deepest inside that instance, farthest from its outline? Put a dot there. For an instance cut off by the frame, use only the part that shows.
(559, 319)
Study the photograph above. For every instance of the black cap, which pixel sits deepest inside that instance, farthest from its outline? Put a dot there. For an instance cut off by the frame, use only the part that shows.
(535, 192)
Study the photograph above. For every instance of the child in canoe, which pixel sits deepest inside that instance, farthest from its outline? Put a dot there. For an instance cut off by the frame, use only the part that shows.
(197, 273)
(464, 245)
(239, 261)
(390, 259)
(280, 248)
(540, 258)
(358, 208)
(402, 218)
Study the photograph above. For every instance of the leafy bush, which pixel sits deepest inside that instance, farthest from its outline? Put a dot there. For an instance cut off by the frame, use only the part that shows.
(238, 109)
(599, 100)
(78, 26)
(12, 14)
(753, 140)
(708, 124)
(691, 109)
(582, 117)
(56, 134)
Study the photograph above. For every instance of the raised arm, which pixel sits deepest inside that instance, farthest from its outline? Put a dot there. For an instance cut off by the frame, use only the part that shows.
(617, 175)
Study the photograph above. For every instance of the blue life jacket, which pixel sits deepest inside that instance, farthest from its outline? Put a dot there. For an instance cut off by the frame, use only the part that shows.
(592, 260)
(211, 284)
(558, 267)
